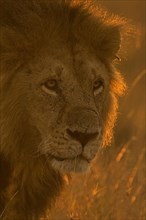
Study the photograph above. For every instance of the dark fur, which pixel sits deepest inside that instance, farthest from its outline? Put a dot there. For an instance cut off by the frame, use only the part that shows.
(30, 27)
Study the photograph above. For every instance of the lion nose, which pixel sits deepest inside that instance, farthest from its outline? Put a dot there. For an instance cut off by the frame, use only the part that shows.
(83, 138)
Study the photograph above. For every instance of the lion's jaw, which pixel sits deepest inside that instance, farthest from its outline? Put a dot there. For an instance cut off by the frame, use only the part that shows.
(78, 163)
(66, 154)
(73, 157)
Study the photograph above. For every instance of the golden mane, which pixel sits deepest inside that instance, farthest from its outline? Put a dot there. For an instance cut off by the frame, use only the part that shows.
(34, 24)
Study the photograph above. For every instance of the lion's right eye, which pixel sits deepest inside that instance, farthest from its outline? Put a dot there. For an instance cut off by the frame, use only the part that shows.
(50, 86)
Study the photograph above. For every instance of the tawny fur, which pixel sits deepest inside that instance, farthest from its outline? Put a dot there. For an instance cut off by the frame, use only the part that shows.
(29, 28)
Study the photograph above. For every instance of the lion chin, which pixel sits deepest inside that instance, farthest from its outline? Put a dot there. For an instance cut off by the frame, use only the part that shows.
(77, 164)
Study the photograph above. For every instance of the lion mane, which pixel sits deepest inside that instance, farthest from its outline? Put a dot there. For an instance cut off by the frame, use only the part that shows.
(28, 28)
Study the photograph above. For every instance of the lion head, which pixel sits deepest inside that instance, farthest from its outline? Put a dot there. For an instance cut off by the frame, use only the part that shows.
(59, 79)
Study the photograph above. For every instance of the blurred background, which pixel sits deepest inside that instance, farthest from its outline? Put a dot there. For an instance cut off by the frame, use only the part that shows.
(114, 189)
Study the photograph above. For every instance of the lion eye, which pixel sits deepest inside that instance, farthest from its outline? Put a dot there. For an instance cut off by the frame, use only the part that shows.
(98, 86)
(50, 86)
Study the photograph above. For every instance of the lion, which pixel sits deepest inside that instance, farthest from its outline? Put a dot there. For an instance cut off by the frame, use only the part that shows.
(59, 97)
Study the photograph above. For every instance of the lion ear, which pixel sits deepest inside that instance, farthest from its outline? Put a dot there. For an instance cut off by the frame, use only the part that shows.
(110, 43)
(103, 36)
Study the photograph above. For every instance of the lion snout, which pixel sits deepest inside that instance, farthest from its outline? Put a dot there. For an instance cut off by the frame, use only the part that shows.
(82, 138)
(82, 125)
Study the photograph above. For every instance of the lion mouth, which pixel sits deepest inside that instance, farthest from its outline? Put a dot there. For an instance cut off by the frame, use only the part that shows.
(65, 165)
(81, 157)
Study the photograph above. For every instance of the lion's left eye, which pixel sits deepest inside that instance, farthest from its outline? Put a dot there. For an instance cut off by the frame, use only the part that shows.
(98, 86)
(50, 86)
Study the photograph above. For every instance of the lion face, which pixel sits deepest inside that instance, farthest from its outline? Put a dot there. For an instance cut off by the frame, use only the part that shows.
(64, 99)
